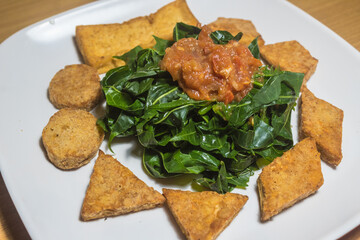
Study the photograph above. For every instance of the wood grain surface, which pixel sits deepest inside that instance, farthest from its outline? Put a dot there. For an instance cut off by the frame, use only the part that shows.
(342, 16)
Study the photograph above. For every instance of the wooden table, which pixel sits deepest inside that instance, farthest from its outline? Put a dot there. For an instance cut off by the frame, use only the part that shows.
(342, 16)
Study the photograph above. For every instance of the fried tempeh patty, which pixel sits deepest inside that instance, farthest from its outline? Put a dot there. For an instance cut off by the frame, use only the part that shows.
(75, 86)
(289, 178)
(323, 122)
(290, 56)
(203, 215)
(114, 190)
(72, 138)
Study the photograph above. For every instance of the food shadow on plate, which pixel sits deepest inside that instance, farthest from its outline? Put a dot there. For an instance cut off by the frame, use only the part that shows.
(165, 209)
(135, 151)
(41, 145)
(100, 110)
(175, 182)
(173, 222)
(79, 56)
(258, 201)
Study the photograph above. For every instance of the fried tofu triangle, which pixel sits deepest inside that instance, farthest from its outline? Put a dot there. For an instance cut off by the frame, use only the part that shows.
(234, 26)
(290, 56)
(114, 190)
(289, 178)
(99, 43)
(323, 122)
(203, 215)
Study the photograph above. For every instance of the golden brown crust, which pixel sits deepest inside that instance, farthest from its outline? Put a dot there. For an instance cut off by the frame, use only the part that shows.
(323, 122)
(164, 20)
(290, 56)
(99, 43)
(71, 138)
(235, 25)
(114, 190)
(290, 178)
(203, 215)
(75, 86)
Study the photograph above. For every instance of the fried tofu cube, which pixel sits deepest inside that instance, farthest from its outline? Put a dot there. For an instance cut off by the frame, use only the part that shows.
(203, 215)
(114, 190)
(235, 25)
(289, 178)
(99, 43)
(290, 56)
(323, 122)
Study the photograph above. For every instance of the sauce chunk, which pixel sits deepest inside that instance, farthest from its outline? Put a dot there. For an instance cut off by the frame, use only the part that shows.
(208, 71)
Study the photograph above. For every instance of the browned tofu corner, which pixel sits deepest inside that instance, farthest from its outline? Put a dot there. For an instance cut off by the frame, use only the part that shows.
(203, 215)
(289, 178)
(290, 56)
(323, 122)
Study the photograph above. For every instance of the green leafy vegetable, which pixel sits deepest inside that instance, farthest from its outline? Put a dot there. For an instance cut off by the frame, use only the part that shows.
(183, 30)
(223, 37)
(254, 48)
(220, 144)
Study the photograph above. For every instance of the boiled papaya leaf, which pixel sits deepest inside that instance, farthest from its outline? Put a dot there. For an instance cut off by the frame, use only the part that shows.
(271, 90)
(220, 144)
(254, 48)
(188, 133)
(223, 37)
(182, 30)
(147, 59)
(193, 162)
(153, 164)
(161, 45)
(117, 77)
(130, 58)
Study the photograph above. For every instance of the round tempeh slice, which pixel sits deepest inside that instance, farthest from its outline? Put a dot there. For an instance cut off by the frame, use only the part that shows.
(72, 138)
(75, 86)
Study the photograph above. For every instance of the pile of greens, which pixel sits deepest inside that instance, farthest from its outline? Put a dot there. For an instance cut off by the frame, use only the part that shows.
(220, 144)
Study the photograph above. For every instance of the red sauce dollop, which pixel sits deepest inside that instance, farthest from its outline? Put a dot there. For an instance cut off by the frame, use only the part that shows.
(208, 71)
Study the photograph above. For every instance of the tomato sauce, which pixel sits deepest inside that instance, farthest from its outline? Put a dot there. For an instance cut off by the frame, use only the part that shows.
(208, 71)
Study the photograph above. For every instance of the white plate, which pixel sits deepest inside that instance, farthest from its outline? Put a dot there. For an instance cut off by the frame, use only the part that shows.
(49, 200)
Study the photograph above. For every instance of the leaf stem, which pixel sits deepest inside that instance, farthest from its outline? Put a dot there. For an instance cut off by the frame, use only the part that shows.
(173, 110)
(259, 84)
(167, 93)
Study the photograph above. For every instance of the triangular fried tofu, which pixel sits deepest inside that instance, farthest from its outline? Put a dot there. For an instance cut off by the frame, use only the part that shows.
(115, 190)
(290, 56)
(323, 122)
(236, 25)
(164, 20)
(289, 178)
(99, 43)
(203, 215)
